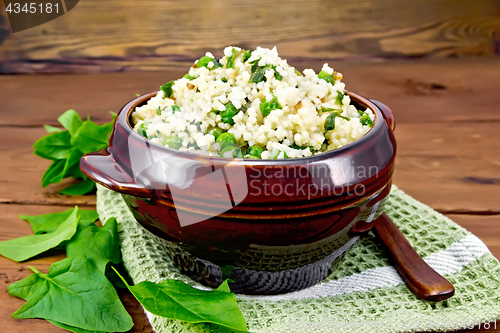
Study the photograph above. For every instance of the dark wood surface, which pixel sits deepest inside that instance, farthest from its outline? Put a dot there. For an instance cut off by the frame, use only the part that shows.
(447, 132)
(122, 35)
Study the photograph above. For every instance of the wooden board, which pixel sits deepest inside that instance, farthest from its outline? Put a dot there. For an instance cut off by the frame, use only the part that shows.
(124, 35)
(423, 91)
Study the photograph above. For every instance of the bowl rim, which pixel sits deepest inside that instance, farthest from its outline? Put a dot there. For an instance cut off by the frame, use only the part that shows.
(124, 117)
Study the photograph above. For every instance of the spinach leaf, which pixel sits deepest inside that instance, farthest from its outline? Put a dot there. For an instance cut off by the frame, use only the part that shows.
(70, 121)
(246, 55)
(204, 61)
(71, 328)
(177, 300)
(91, 137)
(167, 89)
(54, 146)
(339, 98)
(54, 173)
(99, 245)
(23, 248)
(259, 72)
(52, 129)
(330, 78)
(234, 54)
(46, 223)
(82, 188)
(189, 77)
(267, 106)
(75, 293)
(27, 287)
(66, 148)
(330, 120)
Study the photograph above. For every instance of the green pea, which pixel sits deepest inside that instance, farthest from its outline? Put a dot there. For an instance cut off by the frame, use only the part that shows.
(255, 151)
(142, 130)
(172, 141)
(267, 106)
(216, 131)
(228, 114)
(235, 151)
(226, 139)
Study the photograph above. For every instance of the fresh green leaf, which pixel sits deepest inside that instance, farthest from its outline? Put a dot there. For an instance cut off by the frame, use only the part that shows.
(177, 300)
(71, 328)
(54, 173)
(91, 137)
(47, 223)
(72, 164)
(87, 186)
(26, 287)
(99, 245)
(52, 129)
(76, 293)
(54, 146)
(267, 106)
(23, 248)
(70, 121)
(167, 89)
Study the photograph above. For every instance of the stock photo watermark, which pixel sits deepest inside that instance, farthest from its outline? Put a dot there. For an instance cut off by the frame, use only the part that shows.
(401, 325)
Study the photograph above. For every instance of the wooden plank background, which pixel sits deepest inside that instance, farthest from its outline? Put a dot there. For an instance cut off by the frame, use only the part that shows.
(121, 35)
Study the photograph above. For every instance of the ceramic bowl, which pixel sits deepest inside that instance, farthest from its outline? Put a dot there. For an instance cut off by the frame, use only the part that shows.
(272, 226)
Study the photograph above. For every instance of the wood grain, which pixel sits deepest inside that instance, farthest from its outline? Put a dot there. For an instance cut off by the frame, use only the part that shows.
(418, 91)
(123, 35)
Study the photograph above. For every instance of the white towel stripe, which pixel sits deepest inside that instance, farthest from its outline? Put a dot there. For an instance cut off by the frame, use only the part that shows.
(449, 261)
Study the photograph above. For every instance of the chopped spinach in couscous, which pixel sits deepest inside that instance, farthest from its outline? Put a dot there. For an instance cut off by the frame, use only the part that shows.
(252, 104)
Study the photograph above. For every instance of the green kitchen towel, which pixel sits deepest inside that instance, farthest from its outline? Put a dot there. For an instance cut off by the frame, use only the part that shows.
(364, 294)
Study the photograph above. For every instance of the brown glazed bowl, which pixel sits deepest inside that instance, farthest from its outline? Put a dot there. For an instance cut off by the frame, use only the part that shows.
(272, 226)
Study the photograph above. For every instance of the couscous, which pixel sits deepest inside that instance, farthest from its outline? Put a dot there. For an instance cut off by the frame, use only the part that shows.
(252, 104)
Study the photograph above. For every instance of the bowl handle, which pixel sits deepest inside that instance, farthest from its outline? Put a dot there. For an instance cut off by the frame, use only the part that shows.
(387, 113)
(101, 167)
